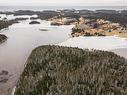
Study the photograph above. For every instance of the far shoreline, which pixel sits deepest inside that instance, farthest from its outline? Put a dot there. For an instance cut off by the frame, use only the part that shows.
(12, 8)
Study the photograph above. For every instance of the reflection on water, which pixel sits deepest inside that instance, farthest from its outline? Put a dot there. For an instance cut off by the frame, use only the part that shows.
(22, 39)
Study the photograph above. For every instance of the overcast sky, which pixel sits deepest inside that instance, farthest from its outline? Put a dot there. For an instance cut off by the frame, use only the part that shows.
(64, 2)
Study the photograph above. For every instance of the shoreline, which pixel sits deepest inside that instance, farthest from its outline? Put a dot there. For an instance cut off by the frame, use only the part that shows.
(40, 49)
(102, 42)
(41, 8)
(121, 51)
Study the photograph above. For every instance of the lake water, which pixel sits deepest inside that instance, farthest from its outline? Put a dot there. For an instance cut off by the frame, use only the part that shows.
(22, 39)
(99, 43)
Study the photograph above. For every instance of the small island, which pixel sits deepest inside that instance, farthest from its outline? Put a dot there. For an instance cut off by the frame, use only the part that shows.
(43, 29)
(34, 22)
(3, 38)
(55, 70)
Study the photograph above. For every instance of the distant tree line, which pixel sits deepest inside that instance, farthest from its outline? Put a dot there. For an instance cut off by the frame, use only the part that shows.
(113, 17)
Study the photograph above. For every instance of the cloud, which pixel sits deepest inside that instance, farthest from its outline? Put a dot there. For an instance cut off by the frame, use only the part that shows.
(63, 2)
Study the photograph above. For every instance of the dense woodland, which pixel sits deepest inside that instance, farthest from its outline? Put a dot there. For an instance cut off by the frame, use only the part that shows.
(113, 17)
(56, 70)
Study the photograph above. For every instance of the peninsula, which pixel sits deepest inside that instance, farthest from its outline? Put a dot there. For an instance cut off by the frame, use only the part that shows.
(54, 70)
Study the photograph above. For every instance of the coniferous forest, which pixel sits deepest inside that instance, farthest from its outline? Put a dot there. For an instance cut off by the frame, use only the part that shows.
(56, 70)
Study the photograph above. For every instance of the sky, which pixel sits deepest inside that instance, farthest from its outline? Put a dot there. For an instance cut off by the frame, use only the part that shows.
(65, 2)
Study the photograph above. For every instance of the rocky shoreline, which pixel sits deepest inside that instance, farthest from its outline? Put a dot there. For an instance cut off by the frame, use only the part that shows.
(98, 27)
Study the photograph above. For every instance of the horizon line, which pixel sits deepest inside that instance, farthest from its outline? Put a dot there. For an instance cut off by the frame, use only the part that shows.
(68, 5)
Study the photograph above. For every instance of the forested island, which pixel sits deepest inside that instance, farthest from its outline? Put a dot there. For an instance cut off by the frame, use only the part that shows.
(2, 38)
(34, 22)
(55, 70)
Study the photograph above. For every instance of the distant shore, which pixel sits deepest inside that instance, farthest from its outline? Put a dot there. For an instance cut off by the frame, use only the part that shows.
(41, 8)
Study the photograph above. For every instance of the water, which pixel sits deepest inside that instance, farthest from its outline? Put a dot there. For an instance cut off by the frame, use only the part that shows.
(22, 39)
(99, 43)
(41, 8)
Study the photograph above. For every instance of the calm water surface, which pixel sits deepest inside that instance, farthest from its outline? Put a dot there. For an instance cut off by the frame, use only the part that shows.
(22, 39)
